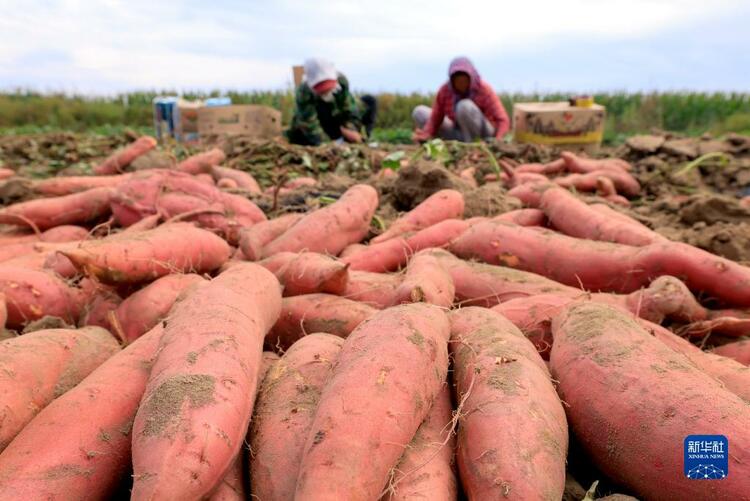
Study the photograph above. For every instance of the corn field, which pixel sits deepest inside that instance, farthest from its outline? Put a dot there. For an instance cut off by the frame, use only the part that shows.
(628, 113)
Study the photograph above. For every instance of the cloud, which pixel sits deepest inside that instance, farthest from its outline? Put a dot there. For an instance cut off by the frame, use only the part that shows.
(114, 45)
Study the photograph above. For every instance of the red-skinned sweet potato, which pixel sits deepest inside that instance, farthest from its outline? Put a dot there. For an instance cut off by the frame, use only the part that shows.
(523, 217)
(401, 356)
(141, 256)
(733, 375)
(625, 183)
(374, 289)
(204, 378)
(330, 229)
(38, 367)
(284, 412)
(737, 350)
(44, 213)
(241, 179)
(145, 308)
(58, 234)
(604, 266)
(426, 281)
(122, 158)
(32, 294)
(426, 469)
(632, 401)
(381, 257)
(441, 205)
(67, 185)
(202, 163)
(302, 315)
(507, 397)
(90, 426)
(567, 213)
(575, 163)
(307, 273)
(253, 239)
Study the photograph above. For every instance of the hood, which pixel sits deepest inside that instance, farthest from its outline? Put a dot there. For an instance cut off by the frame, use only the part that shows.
(465, 65)
(318, 70)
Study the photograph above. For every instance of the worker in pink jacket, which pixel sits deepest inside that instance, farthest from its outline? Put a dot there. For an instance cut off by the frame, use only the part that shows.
(465, 108)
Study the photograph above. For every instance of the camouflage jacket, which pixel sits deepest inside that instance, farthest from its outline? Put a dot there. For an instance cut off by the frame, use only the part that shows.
(312, 115)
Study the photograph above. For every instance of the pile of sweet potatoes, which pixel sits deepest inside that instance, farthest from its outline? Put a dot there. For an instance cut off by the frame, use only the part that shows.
(204, 349)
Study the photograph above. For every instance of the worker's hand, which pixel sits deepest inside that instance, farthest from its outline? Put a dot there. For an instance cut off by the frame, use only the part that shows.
(419, 136)
(352, 136)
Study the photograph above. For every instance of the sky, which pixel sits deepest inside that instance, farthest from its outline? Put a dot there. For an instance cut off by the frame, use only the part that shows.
(109, 46)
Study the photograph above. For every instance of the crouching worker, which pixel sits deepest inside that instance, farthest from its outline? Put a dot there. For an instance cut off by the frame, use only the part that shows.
(465, 108)
(324, 104)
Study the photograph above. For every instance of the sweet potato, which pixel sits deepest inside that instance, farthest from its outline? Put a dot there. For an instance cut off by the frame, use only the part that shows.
(574, 163)
(302, 315)
(486, 285)
(36, 368)
(632, 401)
(530, 194)
(202, 163)
(330, 229)
(625, 183)
(100, 301)
(381, 257)
(733, 375)
(389, 372)
(67, 185)
(506, 397)
(242, 179)
(253, 239)
(204, 378)
(307, 273)
(437, 235)
(736, 350)
(523, 217)
(554, 167)
(226, 183)
(426, 281)
(141, 256)
(3, 312)
(33, 294)
(575, 218)
(147, 223)
(522, 178)
(78, 447)
(352, 249)
(145, 308)
(604, 266)
(180, 195)
(374, 289)
(58, 234)
(233, 486)
(426, 471)
(122, 158)
(444, 204)
(44, 213)
(284, 412)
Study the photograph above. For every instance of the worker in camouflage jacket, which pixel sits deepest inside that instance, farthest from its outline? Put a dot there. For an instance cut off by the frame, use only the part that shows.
(325, 105)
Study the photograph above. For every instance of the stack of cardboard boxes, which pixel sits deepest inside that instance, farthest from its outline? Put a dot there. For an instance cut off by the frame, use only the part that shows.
(187, 121)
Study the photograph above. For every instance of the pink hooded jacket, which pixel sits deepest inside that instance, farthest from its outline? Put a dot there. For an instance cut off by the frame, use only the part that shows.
(480, 92)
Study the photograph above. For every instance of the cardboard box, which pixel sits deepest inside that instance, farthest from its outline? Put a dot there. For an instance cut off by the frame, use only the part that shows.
(260, 122)
(186, 126)
(299, 73)
(559, 124)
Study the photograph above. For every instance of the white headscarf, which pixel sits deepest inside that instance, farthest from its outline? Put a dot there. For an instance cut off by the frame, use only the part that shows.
(318, 70)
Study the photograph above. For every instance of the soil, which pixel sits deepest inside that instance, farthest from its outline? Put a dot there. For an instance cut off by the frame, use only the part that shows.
(697, 205)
